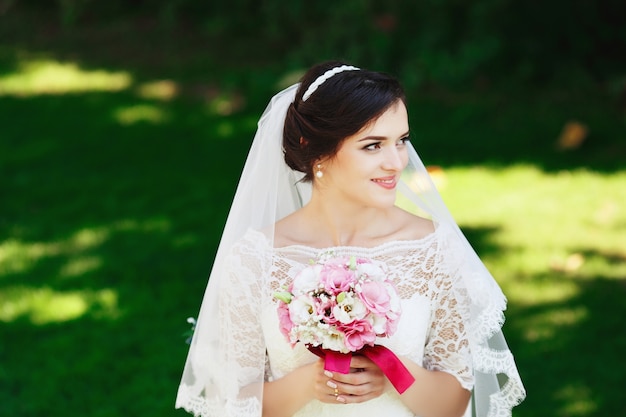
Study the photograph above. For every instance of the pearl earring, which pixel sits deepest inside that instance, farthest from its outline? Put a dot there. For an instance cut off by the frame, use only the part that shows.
(319, 173)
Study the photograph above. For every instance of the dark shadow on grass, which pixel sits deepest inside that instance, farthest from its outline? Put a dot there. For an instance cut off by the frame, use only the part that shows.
(499, 130)
(142, 207)
(569, 353)
(481, 240)
(614, 258)
(577, 364)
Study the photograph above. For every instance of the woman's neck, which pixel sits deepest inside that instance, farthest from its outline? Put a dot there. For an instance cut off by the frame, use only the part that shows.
(345, 224)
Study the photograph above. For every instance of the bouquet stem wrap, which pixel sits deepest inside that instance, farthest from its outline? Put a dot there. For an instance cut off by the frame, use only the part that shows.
(387, 361)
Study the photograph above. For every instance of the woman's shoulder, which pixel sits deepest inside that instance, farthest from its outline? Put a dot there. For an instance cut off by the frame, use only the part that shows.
(249, 252)
(252, 242)
(409, 226)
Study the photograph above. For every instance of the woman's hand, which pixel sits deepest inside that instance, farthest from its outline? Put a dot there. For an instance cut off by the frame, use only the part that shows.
(364, 382)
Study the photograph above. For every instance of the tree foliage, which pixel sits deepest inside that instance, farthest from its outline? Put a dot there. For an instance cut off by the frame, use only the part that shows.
(442, 42)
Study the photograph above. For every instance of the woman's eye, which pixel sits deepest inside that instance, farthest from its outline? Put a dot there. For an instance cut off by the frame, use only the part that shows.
(404, 140)
(373, 146)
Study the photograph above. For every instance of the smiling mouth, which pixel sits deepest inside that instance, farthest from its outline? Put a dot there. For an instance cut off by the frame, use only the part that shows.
(386, 182)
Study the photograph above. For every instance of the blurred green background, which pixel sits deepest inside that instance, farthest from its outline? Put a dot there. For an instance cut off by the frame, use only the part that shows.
(124, 126)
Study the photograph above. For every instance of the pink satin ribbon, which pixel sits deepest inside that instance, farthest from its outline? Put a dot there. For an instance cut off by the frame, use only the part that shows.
(387, 361)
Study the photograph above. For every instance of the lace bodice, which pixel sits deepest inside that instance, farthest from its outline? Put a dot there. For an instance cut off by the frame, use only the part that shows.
(431, 331)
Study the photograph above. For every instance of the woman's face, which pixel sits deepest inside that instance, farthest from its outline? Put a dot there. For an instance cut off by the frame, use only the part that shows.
(367, 167)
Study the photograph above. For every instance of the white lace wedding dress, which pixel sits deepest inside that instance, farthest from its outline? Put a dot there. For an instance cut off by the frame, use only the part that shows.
(431, 331)
(227, 365)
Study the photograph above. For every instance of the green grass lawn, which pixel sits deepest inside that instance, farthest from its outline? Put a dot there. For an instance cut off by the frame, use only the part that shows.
(116, 174)
(556, 243)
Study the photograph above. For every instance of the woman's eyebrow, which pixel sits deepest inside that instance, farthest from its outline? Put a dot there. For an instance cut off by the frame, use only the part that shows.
(380, 137)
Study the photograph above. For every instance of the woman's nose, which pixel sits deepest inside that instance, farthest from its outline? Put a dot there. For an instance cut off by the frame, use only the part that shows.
(394, 160)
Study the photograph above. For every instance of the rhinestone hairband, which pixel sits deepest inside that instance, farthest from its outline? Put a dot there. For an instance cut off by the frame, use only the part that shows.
(320, 80)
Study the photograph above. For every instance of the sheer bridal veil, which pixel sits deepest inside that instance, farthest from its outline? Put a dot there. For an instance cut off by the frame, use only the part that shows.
(267, 191)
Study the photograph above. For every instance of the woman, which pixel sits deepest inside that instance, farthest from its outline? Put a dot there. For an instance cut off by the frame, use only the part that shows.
(332, 168)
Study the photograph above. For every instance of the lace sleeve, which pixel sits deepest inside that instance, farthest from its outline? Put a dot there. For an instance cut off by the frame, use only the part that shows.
(225, 370)
(240, 305)
(447, 347)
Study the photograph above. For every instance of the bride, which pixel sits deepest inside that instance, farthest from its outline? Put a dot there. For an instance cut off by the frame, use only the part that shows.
(332, 168)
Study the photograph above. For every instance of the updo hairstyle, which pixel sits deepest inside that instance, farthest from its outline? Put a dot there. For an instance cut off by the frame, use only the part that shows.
(340, 107)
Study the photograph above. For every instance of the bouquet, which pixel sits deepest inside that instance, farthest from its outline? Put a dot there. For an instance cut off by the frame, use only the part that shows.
(338, 306)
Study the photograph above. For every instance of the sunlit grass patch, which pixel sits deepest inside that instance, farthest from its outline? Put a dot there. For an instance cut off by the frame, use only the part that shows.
(76, 256)
(140, 113)
(44, 305)
(224, 104)
(548, 325)
(570, 221)
(578, 400)
(163, 90)
(49, 76)
(17, 256)
(539, 292)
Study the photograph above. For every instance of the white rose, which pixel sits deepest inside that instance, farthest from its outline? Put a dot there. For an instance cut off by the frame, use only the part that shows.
(307, 280)
(334, 341)
(301, 310)
(349, 309)
(379, 324)
(394, 300)
(372, 271)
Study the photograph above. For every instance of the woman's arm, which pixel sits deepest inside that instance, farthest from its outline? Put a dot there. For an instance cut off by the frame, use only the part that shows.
(444, 380)
(433, 394)
(285, 396)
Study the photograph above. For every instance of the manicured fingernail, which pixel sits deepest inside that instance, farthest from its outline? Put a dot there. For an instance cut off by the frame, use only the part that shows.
(331, 384)
(341, 399)
(328, 374)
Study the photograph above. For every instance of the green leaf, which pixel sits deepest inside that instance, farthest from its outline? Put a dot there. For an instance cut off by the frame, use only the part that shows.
(284, 296)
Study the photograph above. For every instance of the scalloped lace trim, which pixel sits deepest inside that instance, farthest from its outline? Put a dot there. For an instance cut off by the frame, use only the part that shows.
(203, 407)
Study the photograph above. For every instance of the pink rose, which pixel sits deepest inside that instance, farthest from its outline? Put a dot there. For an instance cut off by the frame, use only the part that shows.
(284, 319)
(375, 297)
(391, 326)
(358, 334)
(336, 277)
(324, 307)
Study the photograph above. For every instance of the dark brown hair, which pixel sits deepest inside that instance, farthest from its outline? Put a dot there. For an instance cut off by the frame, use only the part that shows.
(340, 107)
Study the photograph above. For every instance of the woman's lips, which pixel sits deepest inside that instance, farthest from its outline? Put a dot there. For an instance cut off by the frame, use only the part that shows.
(388, 183)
